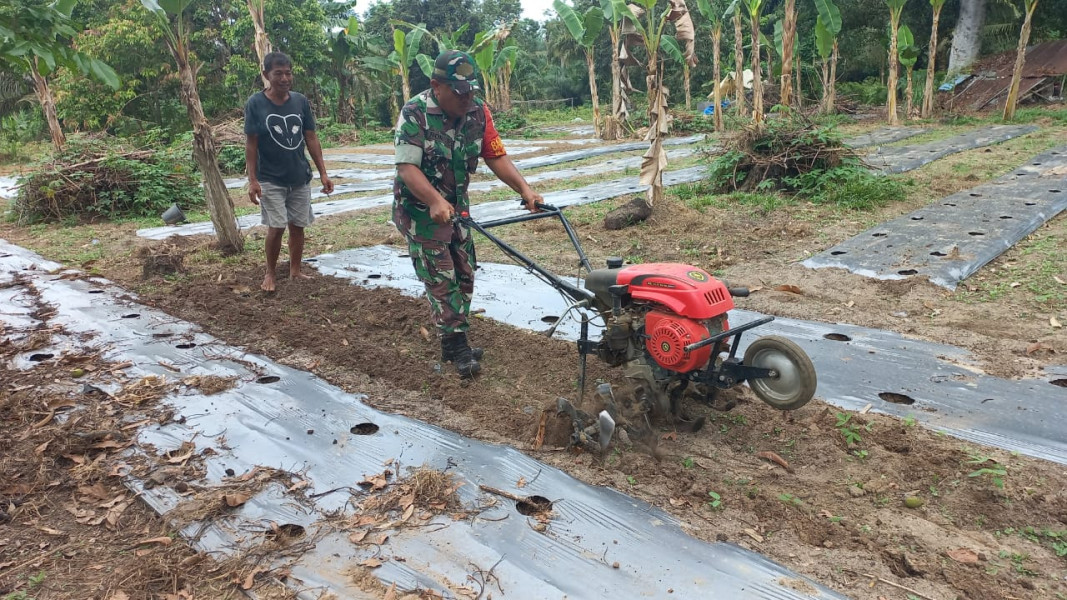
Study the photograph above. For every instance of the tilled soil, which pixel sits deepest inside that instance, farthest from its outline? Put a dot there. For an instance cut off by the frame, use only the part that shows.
(835, 513)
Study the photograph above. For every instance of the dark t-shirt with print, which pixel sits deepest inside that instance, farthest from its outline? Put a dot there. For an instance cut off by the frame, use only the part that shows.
(280, 128)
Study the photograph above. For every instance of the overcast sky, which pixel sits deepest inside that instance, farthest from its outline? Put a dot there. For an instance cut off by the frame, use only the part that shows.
(535, 9)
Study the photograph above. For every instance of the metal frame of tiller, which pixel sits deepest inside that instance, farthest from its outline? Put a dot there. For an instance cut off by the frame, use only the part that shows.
(728, 374)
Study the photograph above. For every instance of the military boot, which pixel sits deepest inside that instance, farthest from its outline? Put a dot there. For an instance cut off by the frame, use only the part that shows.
(447, 355)
(454, 349)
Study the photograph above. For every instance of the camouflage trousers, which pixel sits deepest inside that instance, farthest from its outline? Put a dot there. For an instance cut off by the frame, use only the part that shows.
(447, 271)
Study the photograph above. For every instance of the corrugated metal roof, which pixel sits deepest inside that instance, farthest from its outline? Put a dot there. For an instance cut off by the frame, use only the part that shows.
(1045, 59)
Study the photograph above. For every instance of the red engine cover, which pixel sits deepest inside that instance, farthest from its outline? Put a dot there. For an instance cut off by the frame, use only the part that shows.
(667, 336)
(682, 289)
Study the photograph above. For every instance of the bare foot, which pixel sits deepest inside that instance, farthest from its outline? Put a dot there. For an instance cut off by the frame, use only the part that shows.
(299, 275)
(268, 283)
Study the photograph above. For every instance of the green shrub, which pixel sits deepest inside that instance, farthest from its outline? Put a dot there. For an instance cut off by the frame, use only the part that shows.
(807, 160)
(99, 177)
(17, 129)
(509, 121)
(870, 91)
(850, 186)
(232, 159)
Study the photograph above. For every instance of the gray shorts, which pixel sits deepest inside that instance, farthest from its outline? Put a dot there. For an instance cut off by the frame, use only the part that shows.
(282, 205)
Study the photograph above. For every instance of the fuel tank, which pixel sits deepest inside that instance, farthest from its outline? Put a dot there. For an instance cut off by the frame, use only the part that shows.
(682, 289)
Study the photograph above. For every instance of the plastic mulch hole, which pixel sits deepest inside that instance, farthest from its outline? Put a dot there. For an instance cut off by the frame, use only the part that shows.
(533, 505)
(549, 319)
(896, 398)
(96, 291)
(838, 252)
(268, 379)
(879, 234)
(948, 204)
(1059, 383)
(40, 357)
(185, 346)
(374, 276)
(916, 218)
(1005, 216)
(364, 429)
(838, 337)
(908, 272)
(975, 233)
(286, 531)
(936, 253)
(131, 316)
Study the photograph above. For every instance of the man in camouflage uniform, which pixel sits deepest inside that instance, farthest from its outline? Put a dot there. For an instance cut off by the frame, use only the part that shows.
(439, 137)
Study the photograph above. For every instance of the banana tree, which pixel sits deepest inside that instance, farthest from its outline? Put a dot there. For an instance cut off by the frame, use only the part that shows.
(780, 48)
(907, 54)
(827, 28)
(754, 8)
(734, 12)
(896, 7)
(495, 56)
(170, 19)
(449, 41)
(357, 62)
(612, 127)
(585, 30)
(648, 26)
(405, 53)
(1020, 61)
(262, 42)
(714, 16)
(789, 39)
(35, 40)
(928, 90)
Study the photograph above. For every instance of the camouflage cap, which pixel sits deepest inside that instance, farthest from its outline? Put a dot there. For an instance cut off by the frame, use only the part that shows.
(456, 68)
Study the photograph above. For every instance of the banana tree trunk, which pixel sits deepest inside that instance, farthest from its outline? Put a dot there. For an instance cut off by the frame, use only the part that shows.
(593, 96)
(48, 106)
(205, 153)
(716, 38)
(655, 159)
(909, 96)
(832, 106)
(891, 84)
(789, 30)
(504, 85)
(611, 128)
(1020, 62)
(757, 76)
(405, 84)
(686, 85)
(825, 87)
(262, 42)
(345, 108)
(739, 65)
(928, 90)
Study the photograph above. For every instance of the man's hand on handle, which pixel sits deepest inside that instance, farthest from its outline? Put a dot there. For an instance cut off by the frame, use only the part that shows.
(442, 212)
(531, 199)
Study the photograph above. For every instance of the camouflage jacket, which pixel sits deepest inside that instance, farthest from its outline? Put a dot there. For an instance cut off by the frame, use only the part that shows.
(447, 156)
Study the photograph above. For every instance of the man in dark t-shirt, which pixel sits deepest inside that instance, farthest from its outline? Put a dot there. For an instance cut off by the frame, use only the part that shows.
(278, 126)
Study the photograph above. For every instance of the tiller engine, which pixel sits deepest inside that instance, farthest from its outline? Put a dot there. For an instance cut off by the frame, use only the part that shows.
(666, 325)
